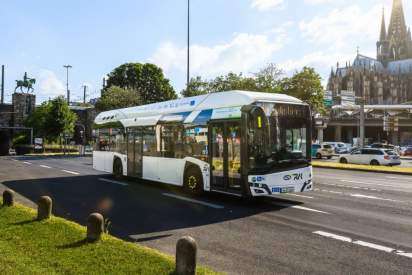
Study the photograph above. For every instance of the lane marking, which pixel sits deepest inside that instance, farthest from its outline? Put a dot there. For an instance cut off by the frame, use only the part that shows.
(28, 163)
(397, 178)
(215, 206)
(333, 236)
(45, 166)
(300, 196)
(372, 197)
(375, 246)
(349, 186)
(114, 181)
(364, 244)
(70, 172)
(367, 183)
(15, 160)
(299, 207)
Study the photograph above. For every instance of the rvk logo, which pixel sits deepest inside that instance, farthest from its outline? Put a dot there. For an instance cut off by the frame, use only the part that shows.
(297, 176)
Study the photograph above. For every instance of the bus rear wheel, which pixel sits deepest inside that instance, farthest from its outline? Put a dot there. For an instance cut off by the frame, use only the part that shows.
(193, 181)
(117, 169)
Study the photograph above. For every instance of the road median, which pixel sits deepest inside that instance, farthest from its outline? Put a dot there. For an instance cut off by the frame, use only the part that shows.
(58, 246)
(363, 168)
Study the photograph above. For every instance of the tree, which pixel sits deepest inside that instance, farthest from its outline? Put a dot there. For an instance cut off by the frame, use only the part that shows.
(197, 86)
(117, 98)
(266, 80)
(305, 85)
(52, 118)
(37, 119)
(147, 80)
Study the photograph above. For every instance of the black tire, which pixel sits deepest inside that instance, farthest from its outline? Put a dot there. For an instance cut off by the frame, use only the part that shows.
(375, 162)
(330, 157)
(193, 181)
(343, 161)
(319, 156)
(118, 168)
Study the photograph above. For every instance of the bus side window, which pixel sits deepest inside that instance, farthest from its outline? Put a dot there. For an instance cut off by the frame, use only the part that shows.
(195, 143)
(149, 142)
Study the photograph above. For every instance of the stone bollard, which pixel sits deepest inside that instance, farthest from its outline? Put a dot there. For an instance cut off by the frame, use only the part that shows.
(186, 253)
(8, 198)
(95, 227)
(44, 208)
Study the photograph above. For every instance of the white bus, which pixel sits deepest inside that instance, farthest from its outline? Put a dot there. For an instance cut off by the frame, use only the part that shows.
(236, 142)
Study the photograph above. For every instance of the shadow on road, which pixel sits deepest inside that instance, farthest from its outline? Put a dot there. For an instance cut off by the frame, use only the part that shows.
(139, 208)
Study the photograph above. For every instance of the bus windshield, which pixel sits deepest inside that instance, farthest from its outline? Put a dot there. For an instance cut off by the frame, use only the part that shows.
(283, 139)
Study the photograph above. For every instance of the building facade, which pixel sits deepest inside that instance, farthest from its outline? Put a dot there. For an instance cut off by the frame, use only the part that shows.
(383, 80)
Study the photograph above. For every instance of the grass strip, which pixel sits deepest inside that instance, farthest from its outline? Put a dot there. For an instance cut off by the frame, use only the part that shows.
(368, 168)
(57, 246)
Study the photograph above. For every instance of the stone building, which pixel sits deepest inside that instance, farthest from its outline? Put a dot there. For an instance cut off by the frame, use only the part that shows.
(12, 117)
(386, 79)
(382, 81)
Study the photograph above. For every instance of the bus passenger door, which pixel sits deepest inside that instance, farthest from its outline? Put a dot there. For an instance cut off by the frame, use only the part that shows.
(225, 158)
(134, 153)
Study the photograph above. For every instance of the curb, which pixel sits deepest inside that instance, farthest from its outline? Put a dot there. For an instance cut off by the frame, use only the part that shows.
(363, 170)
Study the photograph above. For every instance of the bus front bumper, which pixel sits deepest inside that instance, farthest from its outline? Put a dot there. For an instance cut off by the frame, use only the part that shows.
(293, 181)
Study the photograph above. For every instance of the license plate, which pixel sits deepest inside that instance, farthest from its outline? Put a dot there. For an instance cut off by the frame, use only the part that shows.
(283, 190)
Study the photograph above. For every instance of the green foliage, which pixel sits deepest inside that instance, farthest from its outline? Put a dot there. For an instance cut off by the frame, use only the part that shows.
(146, 79)
(116, 98)
(21, 139)
(266, 80)
(52, 118)
(60, 119)
(306, 85)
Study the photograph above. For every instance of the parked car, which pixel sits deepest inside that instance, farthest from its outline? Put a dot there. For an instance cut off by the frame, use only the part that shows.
(339, 147)
(371, 156)
(407, 152)
(320, 151)
(12, 152)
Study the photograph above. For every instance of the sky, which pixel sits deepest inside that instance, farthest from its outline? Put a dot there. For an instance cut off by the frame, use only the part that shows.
(95, 36)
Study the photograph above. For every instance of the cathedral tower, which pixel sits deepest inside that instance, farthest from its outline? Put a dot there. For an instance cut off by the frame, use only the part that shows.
(396, 44)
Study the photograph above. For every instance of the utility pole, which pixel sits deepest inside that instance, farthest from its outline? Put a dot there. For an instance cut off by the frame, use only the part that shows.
(2, 84)
(188, 45)
(84, 93)
(362, 122)
(67, 82)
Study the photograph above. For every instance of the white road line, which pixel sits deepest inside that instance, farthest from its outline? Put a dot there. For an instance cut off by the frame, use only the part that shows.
(113, 181)
(45, 166)
(299, 207)
(372, 197)
(28, 163)
(375, 246)
(15, 160)
(333, 236)
(71, 172)
(397, 178)
(409, 255)
(349, 186)
(300, 196)
(367, 183)
(365, 244)
(335, 192)
(215, 206)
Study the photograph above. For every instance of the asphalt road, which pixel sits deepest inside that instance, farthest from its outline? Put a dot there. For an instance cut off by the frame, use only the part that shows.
(353, 223)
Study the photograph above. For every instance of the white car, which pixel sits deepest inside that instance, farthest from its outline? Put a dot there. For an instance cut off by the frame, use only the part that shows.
(371, 156)
(320, 151)
(12, 152)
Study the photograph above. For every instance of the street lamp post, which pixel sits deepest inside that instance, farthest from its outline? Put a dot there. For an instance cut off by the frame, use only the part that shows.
(188, 45)
(67, 82)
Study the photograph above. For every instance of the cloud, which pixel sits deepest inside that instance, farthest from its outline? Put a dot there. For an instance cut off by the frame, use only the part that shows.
(342, 27)
(317, 2)
(243, 53)
(49, 85)
(265, 5)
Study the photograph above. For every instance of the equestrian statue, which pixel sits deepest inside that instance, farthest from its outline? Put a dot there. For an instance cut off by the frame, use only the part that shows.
(25, 83)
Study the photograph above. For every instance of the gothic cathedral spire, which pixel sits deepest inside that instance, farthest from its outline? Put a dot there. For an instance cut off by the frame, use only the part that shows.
(383, 27)
(395, 44)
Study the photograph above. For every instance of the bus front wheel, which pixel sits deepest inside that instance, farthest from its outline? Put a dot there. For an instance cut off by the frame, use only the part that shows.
(117, 168)
(193, 181)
